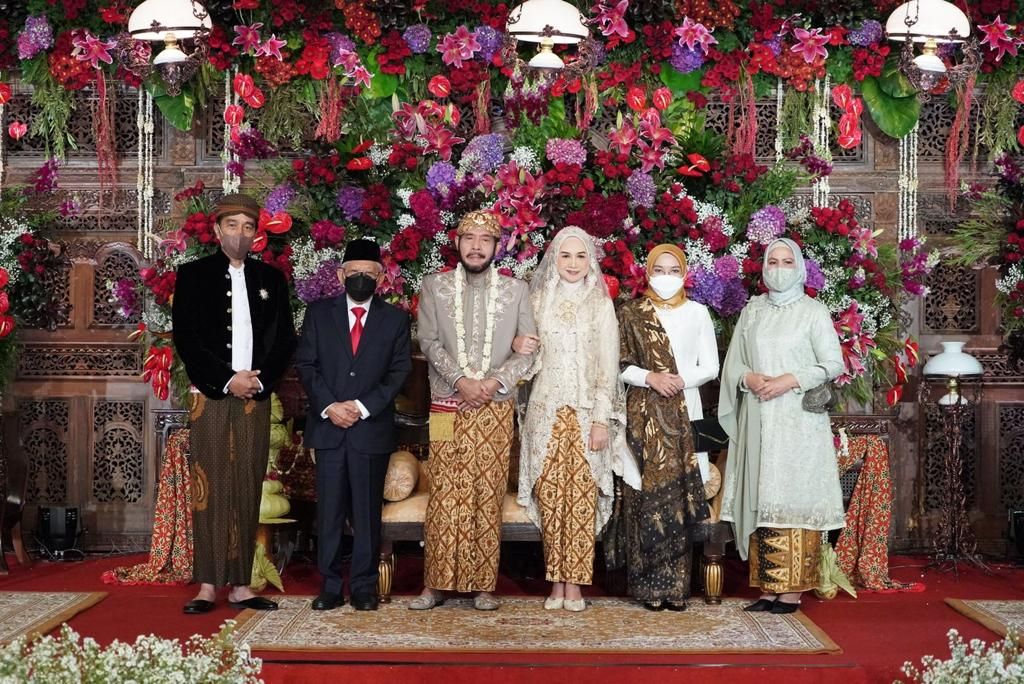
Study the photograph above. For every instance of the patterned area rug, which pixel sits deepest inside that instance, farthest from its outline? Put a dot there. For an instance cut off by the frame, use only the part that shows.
(608, 625)
(999, 616)
(37, 612)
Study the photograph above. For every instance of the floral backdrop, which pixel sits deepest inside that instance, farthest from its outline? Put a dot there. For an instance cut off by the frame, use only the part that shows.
(390, 120)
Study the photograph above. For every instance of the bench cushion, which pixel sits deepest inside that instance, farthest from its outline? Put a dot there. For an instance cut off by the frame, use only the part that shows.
(402, 476)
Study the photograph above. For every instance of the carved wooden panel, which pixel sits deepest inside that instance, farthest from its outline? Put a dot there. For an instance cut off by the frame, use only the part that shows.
(934, 217)
(1011, 455)
(118, 463)
(44, 433)
(40, 360)
(126, 132)
(114, 265)
(109, 211)
(952, 302)
(933, 131)
(998, 371)
(935, 449)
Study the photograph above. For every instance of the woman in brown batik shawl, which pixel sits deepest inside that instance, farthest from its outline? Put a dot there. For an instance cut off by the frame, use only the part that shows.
(650, 531)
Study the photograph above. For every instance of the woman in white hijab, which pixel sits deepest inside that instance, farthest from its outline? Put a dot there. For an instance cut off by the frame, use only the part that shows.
(781, 481)
(565, 466)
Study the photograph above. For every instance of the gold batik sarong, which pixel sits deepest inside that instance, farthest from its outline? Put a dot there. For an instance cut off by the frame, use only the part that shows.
(468, 480)
(230, 445)
(784, 560)
(567, 499)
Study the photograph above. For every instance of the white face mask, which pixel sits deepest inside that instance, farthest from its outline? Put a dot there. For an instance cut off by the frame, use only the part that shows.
(781, 279)
(667, 286)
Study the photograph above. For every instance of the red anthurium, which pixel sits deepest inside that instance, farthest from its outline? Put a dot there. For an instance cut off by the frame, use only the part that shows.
(842, 96)
(1018, 92)
(893, 396)
(281, 222)
(848, 142)
(236, 134)
(636, 98)
(259, 243)
(689, 171)
(362, 147)
(847, 124)
(234, 115)
(913, 351)
(255, 99)
(699, 162)
(662, 98)
(613, 286)
(6, 325)
(17, 130)
(856, 107)
(243, 85)
(439, 86)
(359, 164)
(901, 370)
(5, 93)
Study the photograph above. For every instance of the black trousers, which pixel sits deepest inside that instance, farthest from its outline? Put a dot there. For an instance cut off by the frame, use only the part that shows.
(349, 485)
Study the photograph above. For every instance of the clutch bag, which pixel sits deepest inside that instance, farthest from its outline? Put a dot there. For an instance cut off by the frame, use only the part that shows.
(708, 435)
(820, 399)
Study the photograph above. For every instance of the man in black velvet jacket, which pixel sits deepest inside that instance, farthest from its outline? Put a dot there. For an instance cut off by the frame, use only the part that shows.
(353, 357)
(233, 329)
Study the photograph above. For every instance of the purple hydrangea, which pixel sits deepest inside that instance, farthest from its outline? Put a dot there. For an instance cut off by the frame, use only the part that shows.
(417, 37)
(566, 151)
(35, 38)
(440, 177)
(279, 198)
(868, 33)
(685, 60)
(252, 145)
(339, 43)
(484, 153)
(726, 296)
(490, 41)
(766, 224)
(323, 283)
(775, 45)
(641, 189)
(727, 267)
(350, 201)
(815, 278)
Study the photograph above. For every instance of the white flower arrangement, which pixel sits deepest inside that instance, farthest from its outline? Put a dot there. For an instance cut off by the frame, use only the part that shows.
(306, 259)
(974, 662)
(1009, 282)
(11, 230)
(70, 658)
(525, 158)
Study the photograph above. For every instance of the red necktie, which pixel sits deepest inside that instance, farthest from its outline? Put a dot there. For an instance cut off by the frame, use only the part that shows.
(357, 327)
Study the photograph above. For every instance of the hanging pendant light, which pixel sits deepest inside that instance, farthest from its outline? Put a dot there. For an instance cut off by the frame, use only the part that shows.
(176, 23)
(549, 23)
(931, 24)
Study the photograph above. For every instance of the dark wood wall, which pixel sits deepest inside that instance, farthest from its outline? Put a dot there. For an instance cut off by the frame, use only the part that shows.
(88, 423)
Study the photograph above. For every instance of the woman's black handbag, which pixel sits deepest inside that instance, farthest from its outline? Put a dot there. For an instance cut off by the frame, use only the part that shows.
(708, 435)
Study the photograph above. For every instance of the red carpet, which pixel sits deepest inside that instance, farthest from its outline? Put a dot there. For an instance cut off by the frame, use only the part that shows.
(877, 632)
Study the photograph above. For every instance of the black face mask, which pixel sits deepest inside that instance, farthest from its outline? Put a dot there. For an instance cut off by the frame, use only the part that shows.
(360, 286)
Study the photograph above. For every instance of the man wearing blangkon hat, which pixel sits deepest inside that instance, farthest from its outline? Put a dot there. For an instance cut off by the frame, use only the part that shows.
(467, 321)
(233, 329)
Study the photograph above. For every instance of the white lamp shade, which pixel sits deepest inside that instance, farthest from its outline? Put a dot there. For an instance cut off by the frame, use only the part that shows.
(528, 21)
(952, 361)
(934, 18)
(546, 60)
(170, 55)
(177, 17)
(930, 63)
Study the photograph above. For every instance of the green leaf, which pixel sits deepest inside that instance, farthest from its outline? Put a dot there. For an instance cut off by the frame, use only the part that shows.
(893, 83)
(180, 110)
(381, 85)
(895, 116)
(679, 83)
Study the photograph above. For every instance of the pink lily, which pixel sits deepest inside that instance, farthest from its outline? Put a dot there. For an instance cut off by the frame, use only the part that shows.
(651, 128)
(89, 48)
(810, 44)
(997, 37)
(650, 157)
(441, 140)
(272, 48)
(346, 59)
(248, 37)
(623, 138)
(692, 33)
(361, 75)
(613, 19)
(174, 242)
(455, 47)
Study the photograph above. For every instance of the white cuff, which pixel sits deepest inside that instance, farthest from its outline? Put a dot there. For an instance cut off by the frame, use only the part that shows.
(323, 414)
(635, 376)
(362, 409)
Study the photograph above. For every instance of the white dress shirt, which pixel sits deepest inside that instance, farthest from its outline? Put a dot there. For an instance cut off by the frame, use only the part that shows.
(351, 324)
(691, 334)
(241, 324)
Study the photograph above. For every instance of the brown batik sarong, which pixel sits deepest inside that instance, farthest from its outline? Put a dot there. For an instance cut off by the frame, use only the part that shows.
(784, 560)
(567, 499)
(468, 479)
(230, 446)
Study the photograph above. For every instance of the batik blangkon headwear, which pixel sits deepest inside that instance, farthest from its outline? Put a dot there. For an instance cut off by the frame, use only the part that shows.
(238, 203)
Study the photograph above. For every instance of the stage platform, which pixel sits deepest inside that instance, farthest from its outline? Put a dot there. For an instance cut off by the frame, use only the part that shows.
(876, 632)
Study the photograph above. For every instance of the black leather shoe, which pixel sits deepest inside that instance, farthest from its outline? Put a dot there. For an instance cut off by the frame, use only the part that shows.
(364, 601)
(255, 603)
(328, 601)
(197, 607)
(760, 606)
(781, 608)
(677, 607)
(654, 605)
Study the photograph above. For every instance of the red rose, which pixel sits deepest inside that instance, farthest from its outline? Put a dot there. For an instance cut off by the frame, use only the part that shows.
(1018, 92)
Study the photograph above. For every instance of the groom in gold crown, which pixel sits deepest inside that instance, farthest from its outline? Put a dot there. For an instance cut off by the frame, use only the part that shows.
(467, 321)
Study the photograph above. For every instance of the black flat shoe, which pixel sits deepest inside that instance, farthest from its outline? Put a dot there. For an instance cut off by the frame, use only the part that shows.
(364, 601)
(255, 603)
(654, 605)
(197, 607)
(676, 607)
(761, 606)
(782, 608)
(328, 601)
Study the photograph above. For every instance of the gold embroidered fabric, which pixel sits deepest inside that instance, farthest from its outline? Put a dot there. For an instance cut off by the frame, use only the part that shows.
(784, 561)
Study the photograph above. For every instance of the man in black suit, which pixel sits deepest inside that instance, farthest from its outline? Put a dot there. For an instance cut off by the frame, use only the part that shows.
(233, 329)
(353, 357)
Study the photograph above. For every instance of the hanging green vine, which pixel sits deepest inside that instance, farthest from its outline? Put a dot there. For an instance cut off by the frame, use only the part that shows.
(997, 131)
(55, 107)
(797, 110)
(288, 115)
